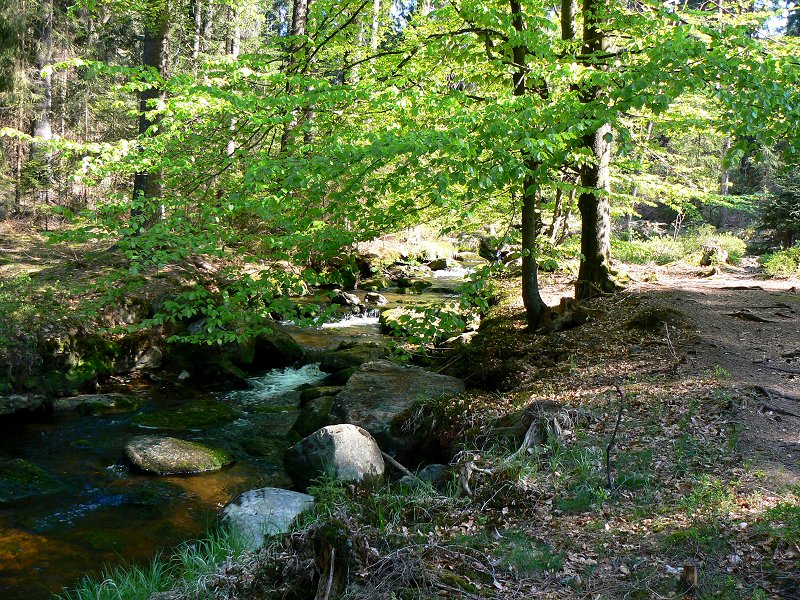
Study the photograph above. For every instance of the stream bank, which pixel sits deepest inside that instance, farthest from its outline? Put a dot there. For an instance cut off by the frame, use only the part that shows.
(96, 510)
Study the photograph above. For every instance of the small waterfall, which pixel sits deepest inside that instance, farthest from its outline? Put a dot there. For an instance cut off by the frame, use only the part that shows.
(275, 384)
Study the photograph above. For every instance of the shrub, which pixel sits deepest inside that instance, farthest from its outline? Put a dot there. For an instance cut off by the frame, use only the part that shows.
(785, 263)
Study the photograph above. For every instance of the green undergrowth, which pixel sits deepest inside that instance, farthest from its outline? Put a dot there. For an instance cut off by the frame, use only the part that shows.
(784, 263)
(688, 247)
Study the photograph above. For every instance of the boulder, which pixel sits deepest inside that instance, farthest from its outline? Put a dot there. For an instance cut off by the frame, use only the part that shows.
(469, 257)
(375, 298)
(414, 285)
(341, 377)
(314, 415)
(20, 479)
(263, 512)
(20, 402)
(345, 299)
(435, 475)
(368, 263)
(317, 391)
(406, 270)
(345, 452)
(375, 284)
(169, 456)
(381, 391)
(460, 340)
(347, 356)
(197, 413)
(442, 264)
(276, 349)
(149, 357)
(95, 404)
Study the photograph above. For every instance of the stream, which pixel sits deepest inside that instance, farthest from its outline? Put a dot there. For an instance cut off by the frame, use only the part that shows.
(105, 514)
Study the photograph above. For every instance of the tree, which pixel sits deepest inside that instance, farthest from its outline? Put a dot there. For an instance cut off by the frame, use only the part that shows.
(155, 53)
(793, 20)
(595, 276)
(535, 308)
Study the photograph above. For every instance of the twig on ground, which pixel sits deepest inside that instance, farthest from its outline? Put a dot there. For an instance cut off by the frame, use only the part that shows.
(329, 583)
(782, 370)
(398, 466)
(778, 411)
(772, 397)
(669, 342)
(610, 446)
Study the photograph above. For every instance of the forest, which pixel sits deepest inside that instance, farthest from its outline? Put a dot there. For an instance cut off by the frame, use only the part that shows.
(399, 299)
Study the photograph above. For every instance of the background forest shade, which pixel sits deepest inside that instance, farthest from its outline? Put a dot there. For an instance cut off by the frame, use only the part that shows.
(292, 131)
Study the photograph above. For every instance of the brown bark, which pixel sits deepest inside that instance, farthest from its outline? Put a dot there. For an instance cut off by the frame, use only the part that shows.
(595, 276)
(155, 52)
(535, 308)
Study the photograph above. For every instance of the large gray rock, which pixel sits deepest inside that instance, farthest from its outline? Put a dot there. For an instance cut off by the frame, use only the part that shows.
(442, 264)
(345, 452)
(375, 298)
(345, 299)
(264, 512)
(380, 391)
(169, 456)
(20, 402)
(95, 404)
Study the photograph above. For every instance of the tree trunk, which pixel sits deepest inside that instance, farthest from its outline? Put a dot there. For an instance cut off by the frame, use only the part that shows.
(198, 29)
(147, 185)
(376, 23)
(42, 124)
(595, 276)
(299, 21)
(535, 308)
(724, 182)
(233, 45)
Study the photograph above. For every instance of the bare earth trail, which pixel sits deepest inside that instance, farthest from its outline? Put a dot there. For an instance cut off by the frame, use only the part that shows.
(749, 326)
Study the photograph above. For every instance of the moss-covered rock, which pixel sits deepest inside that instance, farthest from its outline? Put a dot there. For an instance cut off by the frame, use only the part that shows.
(350, 356)
(195, 414)
(317, 392)
(95, 404)
(21, 479)
(340, 377)
(314, 415)
(375, 284)
(169, 456)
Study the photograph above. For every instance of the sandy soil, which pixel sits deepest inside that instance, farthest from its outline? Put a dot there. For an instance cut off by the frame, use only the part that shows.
(750, 326)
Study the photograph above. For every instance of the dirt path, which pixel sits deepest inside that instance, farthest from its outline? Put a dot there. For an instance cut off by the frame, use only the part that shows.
(749, 326)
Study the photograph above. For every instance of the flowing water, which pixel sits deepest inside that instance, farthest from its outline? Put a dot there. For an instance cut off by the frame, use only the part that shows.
(104, 513)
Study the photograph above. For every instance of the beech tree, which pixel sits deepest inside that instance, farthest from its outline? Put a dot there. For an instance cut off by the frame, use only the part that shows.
(465, 113)
(155, 53)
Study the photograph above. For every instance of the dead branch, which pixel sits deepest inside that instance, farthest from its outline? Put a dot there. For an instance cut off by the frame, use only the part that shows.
(750, 317)
(329, 583)
(398, 466)
(778, 411)
(782, 370)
